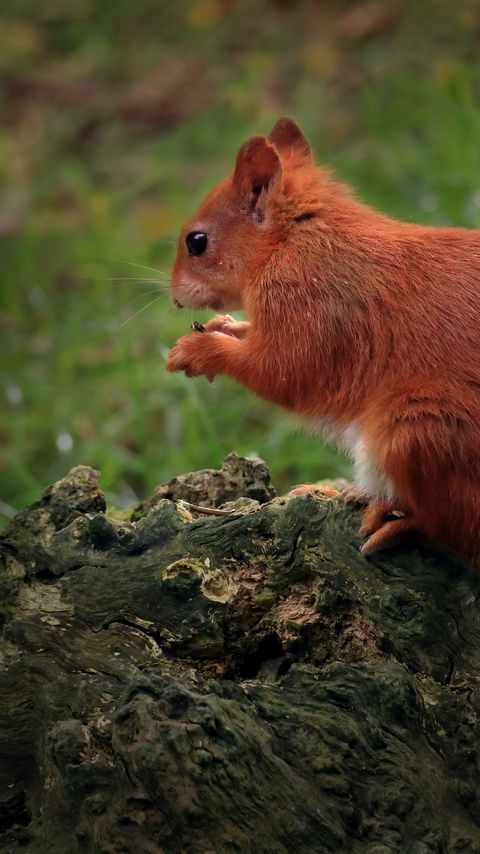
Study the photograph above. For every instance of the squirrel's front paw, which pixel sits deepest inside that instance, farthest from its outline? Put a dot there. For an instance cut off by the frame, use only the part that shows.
(228, 325)
(195, 355)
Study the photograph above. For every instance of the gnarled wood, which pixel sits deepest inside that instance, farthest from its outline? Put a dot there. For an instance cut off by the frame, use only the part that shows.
(246, 683)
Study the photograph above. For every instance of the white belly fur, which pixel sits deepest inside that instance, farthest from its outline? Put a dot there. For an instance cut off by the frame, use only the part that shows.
(371, 481)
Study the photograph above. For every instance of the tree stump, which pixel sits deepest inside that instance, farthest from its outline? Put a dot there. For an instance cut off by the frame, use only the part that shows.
(181, 682)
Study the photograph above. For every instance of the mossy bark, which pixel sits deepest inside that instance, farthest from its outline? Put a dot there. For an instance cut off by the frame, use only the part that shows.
(241, 683)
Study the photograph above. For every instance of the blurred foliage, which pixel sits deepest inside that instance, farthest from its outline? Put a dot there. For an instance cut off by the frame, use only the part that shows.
(116, 118)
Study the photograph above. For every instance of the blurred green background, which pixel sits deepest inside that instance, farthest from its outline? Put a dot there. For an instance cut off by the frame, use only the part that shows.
(116, 117)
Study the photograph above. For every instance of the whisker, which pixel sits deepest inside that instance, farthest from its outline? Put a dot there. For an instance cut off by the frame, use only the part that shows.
(119, 280)
(140, 310)
(143, 266)
(136, 279)
(146, 294)
(149, 293)
(162, 284)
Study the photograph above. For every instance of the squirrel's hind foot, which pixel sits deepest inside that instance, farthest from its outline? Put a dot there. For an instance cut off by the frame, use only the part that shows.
(385, 526)
(324, 490)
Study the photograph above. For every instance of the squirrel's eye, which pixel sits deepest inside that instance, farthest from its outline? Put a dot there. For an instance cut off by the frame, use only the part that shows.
(196, 242)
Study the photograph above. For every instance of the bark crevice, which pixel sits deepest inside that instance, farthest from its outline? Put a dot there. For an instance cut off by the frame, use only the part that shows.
(175, 683)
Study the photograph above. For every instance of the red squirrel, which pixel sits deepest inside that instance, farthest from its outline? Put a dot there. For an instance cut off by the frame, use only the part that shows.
(365, 324)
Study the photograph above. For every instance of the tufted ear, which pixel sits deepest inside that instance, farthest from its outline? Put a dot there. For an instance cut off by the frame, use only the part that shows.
(287, 137)
(258, 171)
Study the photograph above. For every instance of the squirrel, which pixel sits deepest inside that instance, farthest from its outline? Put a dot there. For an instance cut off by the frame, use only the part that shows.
(366, 325)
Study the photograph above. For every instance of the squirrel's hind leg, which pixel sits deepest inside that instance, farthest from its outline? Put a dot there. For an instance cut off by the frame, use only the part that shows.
(427, 442)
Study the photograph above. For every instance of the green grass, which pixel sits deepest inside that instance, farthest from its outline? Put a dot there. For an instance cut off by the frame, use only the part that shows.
(90, 190)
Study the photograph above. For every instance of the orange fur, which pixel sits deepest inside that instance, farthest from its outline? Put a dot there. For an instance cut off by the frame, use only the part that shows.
(369, 325)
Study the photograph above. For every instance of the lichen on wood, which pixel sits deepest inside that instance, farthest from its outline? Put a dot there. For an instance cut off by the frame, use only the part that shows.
(243, 683)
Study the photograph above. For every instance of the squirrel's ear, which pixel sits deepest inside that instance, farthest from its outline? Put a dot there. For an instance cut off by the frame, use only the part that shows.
(287, 136)
(257, 170)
